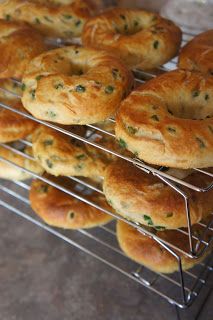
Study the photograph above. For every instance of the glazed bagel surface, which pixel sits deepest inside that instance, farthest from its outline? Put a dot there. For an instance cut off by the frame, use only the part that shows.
(143, 198)
(10, 172)
(75, 85)
(19, 43)
(12, 125)
(197, 54)
(63, 19)
(61, 210)
(148, 252)
(168, 120)
(141, 39)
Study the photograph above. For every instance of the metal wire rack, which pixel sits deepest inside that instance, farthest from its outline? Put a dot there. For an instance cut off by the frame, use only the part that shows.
(183, 287)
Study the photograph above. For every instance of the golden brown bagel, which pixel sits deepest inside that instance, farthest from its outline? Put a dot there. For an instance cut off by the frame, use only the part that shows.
(11, 172)
(168, 120)
(61, 210)
(197, 54)
(145, 199)
(75, 85)
(53, 18)
(61, 155)
(140, 38)
(19, 43)
(12, 125)
(150, 253)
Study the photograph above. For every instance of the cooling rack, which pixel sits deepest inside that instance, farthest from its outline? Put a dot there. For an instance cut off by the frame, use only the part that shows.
(182, 287)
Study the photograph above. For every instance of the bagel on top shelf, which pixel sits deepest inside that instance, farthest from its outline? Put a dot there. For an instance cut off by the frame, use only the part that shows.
(19, 43)
(140, 38)
(168, 121)
(197, 54)
(75, 85)
(54, 18)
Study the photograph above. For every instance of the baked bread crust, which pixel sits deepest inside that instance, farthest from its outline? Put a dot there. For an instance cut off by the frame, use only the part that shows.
(143, 198)
(11, 172)
(140, 38)
(12, 125)
(19, 43)
(197, 54)
(57, 91)
(63, 19)
(61, 210)
(168, 120)
(150, 253)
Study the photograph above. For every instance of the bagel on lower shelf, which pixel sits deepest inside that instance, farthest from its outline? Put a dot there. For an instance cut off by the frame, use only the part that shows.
(140, 38)
(10, 172)
(61, 210)
(168, 121)
(143, 198)
(12, 125)
(19, 43)
(197, 54)
(59, 18)
(148, 252)
(75, 85)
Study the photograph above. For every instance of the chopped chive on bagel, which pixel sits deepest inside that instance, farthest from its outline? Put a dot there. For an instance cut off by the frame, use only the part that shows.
(140, 38)
(52, 18)
(81, 88)
(168, 121)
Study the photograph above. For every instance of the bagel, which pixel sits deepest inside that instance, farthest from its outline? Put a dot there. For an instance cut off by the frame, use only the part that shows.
(148, 252)
(57, 91)
(61, 210)
(143, 198)
(63, 19)
(168, 120)
(19, 43)
(12, 125)
(197, 54)
(140, 38)
(11, 172)
(61, 155)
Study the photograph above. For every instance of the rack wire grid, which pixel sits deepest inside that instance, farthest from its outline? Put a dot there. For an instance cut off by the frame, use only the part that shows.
(182, 287)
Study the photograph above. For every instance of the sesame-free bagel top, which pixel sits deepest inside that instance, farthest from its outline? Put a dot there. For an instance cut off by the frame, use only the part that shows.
(59, 18)
(19, 43)
(197, 54)
(168, 120)
(75, 85)
(140, 38)
(144, 198)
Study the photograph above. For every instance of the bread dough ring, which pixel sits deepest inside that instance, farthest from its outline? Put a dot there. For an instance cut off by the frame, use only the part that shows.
(12, 125)
(57, 91)
(150, 253)
(168, 120)
(140, 38)
(143, 198)
(197, 54)
(19, 43)
(61, 155)
(11, 172)
(63, 19)
(61, 210)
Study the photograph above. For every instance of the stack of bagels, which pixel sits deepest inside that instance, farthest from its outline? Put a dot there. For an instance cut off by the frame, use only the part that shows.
(167, 121)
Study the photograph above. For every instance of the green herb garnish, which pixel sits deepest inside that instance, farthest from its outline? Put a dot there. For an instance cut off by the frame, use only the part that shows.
(155, 117)
(49, 163)
(200, 142)
(80, 88)
(148, 219)
(122, 143)
(156, 44)
(109, 89)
